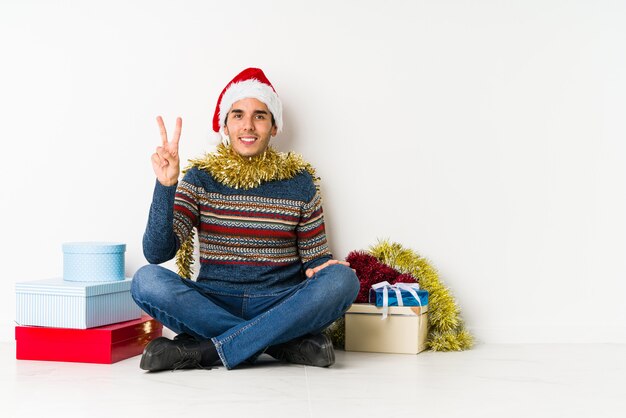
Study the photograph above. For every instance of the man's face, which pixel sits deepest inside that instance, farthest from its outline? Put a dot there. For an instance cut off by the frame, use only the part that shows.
(249, 126)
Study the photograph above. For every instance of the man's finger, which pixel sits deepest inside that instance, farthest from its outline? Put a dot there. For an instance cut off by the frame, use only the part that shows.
(165, 154)
(162, 130)
(179, 127)
(326, 264)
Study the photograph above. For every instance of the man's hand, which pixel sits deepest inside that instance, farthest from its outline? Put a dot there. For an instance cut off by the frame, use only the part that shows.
(165, 160)
(310, 272)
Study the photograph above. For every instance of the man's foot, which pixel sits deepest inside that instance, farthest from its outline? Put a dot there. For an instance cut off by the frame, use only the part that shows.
(183, 353)
(184, 336)
(310, 350)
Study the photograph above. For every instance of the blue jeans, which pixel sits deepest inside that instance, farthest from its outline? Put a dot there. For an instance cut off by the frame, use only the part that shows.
(242, 324)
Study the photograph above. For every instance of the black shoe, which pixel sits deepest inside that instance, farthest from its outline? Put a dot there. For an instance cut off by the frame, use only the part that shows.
(310, 350)
(184, 353)
(184, 336)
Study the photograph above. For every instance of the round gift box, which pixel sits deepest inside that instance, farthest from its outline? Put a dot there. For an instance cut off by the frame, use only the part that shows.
(93, 261)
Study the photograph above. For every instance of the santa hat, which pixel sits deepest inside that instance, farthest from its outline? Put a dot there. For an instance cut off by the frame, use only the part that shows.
(250, 83)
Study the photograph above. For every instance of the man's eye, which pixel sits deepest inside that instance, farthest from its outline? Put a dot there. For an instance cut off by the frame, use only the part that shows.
(260, 117)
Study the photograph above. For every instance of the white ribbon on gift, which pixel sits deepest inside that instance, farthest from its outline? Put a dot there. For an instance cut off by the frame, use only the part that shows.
(397, 288)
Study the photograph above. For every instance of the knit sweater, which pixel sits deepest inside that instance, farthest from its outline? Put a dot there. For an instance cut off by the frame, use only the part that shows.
(258, 239)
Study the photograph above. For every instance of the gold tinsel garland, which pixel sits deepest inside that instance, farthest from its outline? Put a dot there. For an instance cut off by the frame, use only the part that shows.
(233, 170)
(446, 329)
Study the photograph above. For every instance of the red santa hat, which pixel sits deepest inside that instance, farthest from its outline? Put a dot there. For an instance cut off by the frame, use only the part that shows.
(250, 83)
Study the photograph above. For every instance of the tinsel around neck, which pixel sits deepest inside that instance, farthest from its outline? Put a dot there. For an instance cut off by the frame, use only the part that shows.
(233, 170)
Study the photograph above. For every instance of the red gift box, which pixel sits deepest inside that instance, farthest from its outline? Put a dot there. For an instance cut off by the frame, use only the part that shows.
(105, 345)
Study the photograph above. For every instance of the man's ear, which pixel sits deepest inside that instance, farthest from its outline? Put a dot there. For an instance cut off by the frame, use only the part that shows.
(274, 130)
(226, 130)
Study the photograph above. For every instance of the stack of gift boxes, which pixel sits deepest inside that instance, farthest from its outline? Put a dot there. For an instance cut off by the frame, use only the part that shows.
(88, 315)
(394, 321)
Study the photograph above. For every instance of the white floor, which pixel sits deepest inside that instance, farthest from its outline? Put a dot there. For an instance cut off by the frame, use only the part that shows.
(488, 381)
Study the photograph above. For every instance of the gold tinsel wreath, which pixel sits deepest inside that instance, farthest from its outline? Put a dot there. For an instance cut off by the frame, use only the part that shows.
(446, 328)
(233, 170)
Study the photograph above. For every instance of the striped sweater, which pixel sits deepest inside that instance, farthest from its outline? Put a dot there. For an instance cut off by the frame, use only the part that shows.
(257, 239)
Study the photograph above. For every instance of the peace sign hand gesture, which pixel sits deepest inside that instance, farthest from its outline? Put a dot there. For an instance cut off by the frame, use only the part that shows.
(165, 160)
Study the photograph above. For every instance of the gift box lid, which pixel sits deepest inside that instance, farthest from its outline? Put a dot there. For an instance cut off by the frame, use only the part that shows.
(111, 333)
(58, 286)
(130, 329)
(369, 309)
(93, 247)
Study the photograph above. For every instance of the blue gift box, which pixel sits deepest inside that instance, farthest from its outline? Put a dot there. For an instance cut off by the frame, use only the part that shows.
(62, 304)
(93, 261)
(376, 297)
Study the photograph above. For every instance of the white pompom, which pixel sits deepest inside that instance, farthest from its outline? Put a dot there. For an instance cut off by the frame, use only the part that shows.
(214, 139)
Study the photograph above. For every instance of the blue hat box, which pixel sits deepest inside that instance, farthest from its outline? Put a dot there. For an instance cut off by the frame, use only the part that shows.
(93, 261)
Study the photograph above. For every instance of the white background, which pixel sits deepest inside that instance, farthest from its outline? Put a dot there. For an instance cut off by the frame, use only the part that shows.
(489, 136)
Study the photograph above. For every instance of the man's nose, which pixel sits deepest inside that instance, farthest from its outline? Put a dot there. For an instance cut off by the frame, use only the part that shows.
(248, 123)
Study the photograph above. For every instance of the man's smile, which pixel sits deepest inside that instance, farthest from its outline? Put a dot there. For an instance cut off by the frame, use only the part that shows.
(247, 139)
